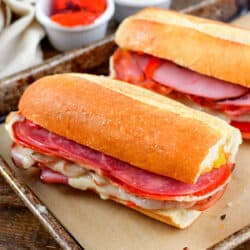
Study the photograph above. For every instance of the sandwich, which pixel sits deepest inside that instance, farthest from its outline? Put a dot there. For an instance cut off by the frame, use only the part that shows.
(200, 62)
(126, 143)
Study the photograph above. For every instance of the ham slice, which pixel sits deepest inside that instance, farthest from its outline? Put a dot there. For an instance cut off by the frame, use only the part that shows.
(192, 83)
(164, 77)
(132, 179)
(49, 176)
(129, 67)
(242, 101)
(127, 70)
(181, 79)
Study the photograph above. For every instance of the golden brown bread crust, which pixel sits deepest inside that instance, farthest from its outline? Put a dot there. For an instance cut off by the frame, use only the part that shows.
(205, 46)
(166, 218)
(148, 137)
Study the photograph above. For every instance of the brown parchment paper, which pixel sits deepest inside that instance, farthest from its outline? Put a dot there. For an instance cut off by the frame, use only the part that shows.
(243, 21)
(105, 225)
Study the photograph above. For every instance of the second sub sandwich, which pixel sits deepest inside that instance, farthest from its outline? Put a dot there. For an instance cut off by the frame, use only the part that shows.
(126, 143)
(200, 62)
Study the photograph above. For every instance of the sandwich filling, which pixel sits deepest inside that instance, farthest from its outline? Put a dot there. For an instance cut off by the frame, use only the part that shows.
(64, 161)
(168, 78)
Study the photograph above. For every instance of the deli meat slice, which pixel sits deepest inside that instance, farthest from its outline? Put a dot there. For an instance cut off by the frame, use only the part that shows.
(50, 176)
(173, 76)
(128, 69)
(132, 179)
(190, 82)
(243, 101)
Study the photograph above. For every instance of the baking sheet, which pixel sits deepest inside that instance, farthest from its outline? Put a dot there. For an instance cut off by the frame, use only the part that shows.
(99, 224)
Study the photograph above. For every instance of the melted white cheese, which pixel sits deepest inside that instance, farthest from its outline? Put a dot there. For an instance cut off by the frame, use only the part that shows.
(83, 178)
(108, 190)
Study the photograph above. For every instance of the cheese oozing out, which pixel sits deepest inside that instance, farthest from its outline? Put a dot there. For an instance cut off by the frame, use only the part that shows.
(180, 216)
(82, 178)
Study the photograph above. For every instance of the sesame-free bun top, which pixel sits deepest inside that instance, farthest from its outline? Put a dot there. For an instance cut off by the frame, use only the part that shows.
(130, 123)
(209, 47)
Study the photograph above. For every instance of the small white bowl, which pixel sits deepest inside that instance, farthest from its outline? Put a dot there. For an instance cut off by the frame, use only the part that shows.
(67, 38)
(125, 8)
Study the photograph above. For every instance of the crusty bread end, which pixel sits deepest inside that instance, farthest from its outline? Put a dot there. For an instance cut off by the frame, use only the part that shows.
(211, 48)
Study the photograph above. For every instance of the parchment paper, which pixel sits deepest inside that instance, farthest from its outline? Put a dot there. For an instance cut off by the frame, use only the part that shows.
(243, 21)
(105, 225)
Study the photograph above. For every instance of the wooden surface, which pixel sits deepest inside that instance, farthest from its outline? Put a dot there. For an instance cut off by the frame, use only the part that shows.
(19, 229)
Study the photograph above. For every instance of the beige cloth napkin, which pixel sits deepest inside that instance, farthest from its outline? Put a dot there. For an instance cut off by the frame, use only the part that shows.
(19, 39)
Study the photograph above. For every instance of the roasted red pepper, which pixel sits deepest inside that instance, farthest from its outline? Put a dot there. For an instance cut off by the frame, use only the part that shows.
(153, 64)
(77, 12)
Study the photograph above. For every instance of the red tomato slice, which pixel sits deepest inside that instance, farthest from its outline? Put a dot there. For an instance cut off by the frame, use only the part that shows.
(245, 135)
(153, 64)
(210, 201)
(242, 126)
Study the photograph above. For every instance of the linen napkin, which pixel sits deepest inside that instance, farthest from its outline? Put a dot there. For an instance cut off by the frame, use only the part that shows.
(20, 36)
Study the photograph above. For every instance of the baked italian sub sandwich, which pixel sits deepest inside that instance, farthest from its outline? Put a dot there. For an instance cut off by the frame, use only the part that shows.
(126, 143)
(200, 62)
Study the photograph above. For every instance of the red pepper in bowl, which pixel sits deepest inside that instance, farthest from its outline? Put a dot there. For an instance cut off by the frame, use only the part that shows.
(77, 12)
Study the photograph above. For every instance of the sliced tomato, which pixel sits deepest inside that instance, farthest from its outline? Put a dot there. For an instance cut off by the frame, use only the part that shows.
(242, 126)
(210, 201)
(153, 64)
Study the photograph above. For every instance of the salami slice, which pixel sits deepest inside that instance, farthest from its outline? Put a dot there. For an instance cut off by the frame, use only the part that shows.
(132, 179)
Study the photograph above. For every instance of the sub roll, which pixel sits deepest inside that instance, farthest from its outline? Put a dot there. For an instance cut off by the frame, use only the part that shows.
(202, 63)
(126, 143)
